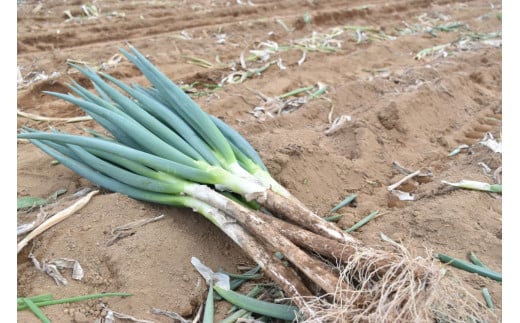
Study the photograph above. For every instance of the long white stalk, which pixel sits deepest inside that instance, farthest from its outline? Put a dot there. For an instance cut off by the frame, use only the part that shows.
(312, 268)
(276, 270)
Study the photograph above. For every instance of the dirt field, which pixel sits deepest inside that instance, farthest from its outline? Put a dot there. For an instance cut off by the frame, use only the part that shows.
(400, 104)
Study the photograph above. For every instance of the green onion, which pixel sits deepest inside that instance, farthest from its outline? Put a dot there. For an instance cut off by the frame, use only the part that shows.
(170, 119)
(194, 191)
(252, 293)
(321, 89)
(473, 258)
(30, 201)
(237, 280)
(36, 310)
(457, 150)
(178, 101)
(235, 316)
(186, 107)
(179, 152)
(464, 265)
(198, 173)
(209, 308)
(155, 156)
(487, 298)
(35, 299)
(279, 311)
(72, 299)
(475, 185)
(333, 218)
(236, 139)
(166, 149)
(346, 201)
(363, 221)
(296, 91)
(244, 276)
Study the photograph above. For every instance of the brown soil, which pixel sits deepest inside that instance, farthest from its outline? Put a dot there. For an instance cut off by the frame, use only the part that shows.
(403, 109)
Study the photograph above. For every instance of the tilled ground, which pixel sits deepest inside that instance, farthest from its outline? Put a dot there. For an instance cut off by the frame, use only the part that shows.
(417, 79)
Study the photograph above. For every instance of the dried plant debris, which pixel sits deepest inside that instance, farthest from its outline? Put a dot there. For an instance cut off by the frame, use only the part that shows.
(422, 176)
(176, 317)
(403, 196)
(53, 267)
(431, 27)
(286, 103)
(338, 124)
(24, 80)
(57, 218)
(490, 142)
(497, 175)
(112, 316)
(25, 228)
(268, 52)
(37, 117)
(89, 11)
(274, 106)
(129, 229)
(465, 42)
(405, 171)
(240, 76)
(447, 300)
(404, 179)
(112, 62)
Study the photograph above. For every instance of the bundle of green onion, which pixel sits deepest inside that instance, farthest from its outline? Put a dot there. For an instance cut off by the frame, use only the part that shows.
(165, 149)
(163, 129)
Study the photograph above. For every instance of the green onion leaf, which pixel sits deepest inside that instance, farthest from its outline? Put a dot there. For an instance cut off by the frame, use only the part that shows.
(487, 298)
(363, 221)
(469, 267)
(279, 311)
(35, 299)
(136, 131)
(30, 201)
(343, 203)
(73, 299)
(473, 258)
(36, 310)
(186, 107)
(170, 118)
(209, 308)
(240, 142)
(150, 160)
